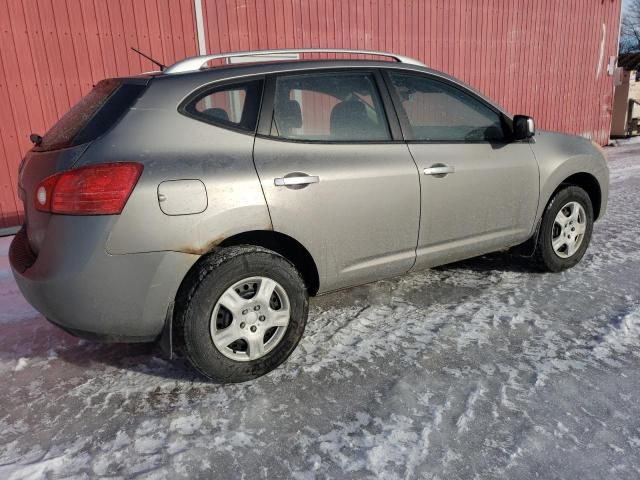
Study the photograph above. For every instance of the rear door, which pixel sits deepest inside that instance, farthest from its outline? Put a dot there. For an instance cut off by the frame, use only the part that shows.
(479, 188)
(337, 176)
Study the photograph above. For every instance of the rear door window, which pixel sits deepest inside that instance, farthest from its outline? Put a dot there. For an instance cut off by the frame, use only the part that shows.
(331, 107)
(234, 106)
(93, 115)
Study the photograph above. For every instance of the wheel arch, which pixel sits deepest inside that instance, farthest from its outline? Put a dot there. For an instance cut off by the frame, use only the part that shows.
(589, 184)
(287, 246)
(283, 244)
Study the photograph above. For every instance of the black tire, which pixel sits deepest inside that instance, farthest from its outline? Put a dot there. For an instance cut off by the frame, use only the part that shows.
(545, 256)
(200, 293)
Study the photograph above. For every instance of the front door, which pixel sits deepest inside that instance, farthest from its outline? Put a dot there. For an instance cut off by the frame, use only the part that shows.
(334, 178)
(479, 189)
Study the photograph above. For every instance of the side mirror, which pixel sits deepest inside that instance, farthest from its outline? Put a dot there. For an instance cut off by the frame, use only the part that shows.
(523, 127)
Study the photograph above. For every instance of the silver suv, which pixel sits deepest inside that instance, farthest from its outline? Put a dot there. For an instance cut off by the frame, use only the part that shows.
(202, 206)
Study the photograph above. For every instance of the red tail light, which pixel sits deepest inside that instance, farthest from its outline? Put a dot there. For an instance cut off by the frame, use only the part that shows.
(94, 190)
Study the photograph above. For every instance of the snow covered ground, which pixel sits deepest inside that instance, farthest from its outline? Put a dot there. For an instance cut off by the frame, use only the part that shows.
(476, 370)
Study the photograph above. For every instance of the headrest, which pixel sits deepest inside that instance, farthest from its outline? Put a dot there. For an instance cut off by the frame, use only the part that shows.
(349, 119)
(288, 115)
(216, 114)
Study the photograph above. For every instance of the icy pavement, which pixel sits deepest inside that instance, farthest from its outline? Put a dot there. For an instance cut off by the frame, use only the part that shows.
(477, 370)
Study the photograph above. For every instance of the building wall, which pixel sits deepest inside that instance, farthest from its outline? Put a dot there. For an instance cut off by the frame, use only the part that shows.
(52, 52)
(546, 58)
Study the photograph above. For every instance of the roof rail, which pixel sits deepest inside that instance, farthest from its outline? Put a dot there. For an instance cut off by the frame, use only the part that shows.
(192, 64)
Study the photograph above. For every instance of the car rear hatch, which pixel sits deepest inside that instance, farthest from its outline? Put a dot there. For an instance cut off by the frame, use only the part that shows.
(63, 145)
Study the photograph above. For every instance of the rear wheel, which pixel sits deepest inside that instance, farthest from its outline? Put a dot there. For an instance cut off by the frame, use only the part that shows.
(244, 313)
(565, 231)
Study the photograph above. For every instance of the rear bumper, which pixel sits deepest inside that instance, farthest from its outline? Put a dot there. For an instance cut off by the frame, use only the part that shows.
(78, 286)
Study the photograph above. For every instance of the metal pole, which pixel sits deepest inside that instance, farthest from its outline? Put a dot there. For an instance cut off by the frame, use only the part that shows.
(202, 43)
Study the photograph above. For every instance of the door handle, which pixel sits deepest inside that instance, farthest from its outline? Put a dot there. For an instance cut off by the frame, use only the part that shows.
(439, 169)
(297, 180)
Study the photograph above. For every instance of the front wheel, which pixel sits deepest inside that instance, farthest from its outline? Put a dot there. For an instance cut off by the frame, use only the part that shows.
(565, 231)
(244, 313)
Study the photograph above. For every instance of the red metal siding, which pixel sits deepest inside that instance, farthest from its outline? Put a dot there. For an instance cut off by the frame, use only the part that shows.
(546, 58)
(53, 51)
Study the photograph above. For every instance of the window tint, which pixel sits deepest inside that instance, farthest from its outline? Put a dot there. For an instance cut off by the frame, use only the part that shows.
(119, 102)
(440, 112)
(231, 105)
(343, 107)
(93, 115)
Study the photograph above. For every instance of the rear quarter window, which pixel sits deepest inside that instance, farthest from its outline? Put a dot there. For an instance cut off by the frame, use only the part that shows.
(233, 106)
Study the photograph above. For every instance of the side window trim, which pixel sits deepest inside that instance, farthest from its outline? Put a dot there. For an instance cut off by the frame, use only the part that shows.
(388, 110)
(266, 111)
(214, 87)
(404, 120)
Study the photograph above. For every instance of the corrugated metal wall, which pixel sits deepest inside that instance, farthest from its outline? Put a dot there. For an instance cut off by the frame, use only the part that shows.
(53, 51)
(546, 58)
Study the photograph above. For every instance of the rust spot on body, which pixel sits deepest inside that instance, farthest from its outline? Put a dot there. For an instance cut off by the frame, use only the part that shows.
(209, 246)
(206, 248)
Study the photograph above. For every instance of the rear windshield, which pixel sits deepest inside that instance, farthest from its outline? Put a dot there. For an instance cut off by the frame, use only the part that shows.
(93, 115)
